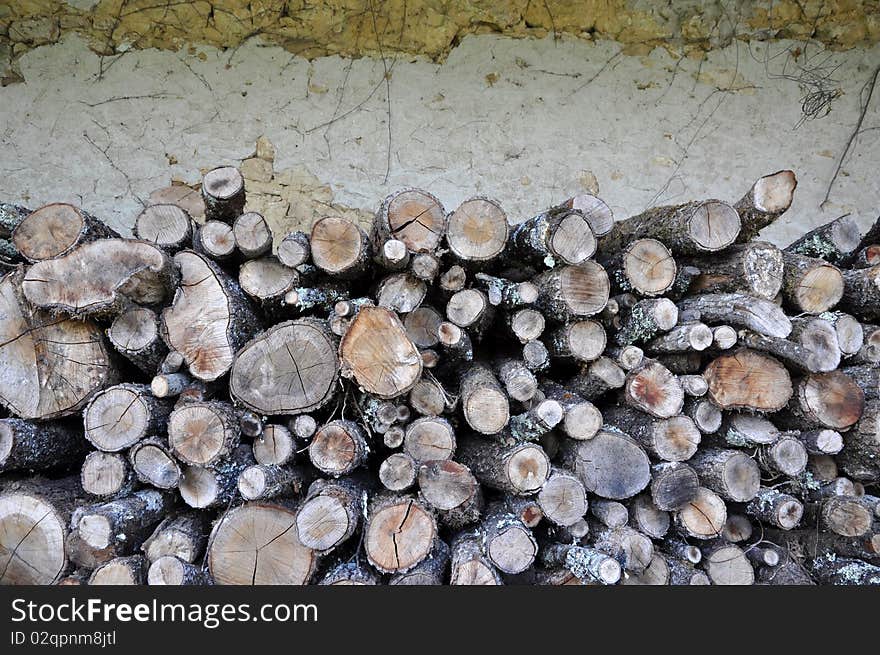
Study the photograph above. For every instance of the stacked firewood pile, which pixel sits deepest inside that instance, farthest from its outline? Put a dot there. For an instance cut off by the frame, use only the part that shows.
(664, 399)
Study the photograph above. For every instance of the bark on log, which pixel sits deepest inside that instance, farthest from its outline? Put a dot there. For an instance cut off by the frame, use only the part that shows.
(761, 316)
(860, 457)
(582, 418)
(453, 491)
(686, 337)
(120, 526)
(430, 571)
(260, 482)
(294, 249)
(485, 406)
(704, 413)
(338, 448)
(769, 197)
(331, 513)
(183, 535)
(127, 571)
(629, 547)
(597, 378)
(154, 464)
(508, 543)
(216, 240)
(203, 488)
(786, 456)
(201, 434)
(351, 574)
(861, 293)
(585, 563)
(223, 193)
(644, 267)
(835, 241)
(559, 235)
(730, 473)
(673, 439)
(652, 388)
(520, 469)
(581, 341)
(470, 309)
(811, 285)
(31, 446)
(55, 230)
(597, 213)
(170, 570)
(569, 292)
(469, 566)
(645, 320)
(776, 508)
(754, 269)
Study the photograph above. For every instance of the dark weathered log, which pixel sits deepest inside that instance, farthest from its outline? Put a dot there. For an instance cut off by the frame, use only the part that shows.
(430, 571)
(168, 226)
(673, 484)
(257, 544)
(866, 257)
(400, 532)
(652, 388)
(831, 569)
(682, 572)
(645, 320)
(31, 446)
(182, 535)
(835, 241)
(769, 197)
(559, 235)
(776, 508)
(860, 457)
(209, 320)
(351, 574)
(702, 517)
(753, 268)
(824, 400)
(761, 316)
(730, 473)
(520, 469)
(120, 526)
(223, 193)
(673, 439)
(170, 570)
(127, 571)
(55, 230)
(632, 549)
(216, 240)
(338, 448)
(468, 563)
(106, 475)
(122, 415)
(611, 464)
(747, 379)
(644, 267)
(568, 292)
(811, 285)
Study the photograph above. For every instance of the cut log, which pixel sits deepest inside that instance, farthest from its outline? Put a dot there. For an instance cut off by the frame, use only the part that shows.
(787, 455)
(703, 517)
(559, 235)
(331, 513)
(844, 516)
(30, 446)
(260, 482)
(267, 281)
(506, 292)
(585, 563)
(217, 486)
(430, 571)
(730, 473)
(527, 324)
(647, 518)
(453, 491)
(538, 420)
(520, 469)
(743, 430)
(338, 448)
(168, 226)
(106, 474)
(291, 368)
(850, 333)
(125, 571)
(686, 337)
(216, 240)
(536, 356)
(425, 266)
(860, 457)
(611, 464)
(120, 416)
(821, 442)
(101, 277)
(477, 230)
(704, 413)
(694, 385)
(811, 285)
(294, 249)
(508, 543)
(399, 533)
(483, 402)
(596, 378)
(835, 241)
(379, 355)
(568, 292)
(209, 320)
(355, 573)
(581, 341)
(203, 433)
(582, 418)
(629, 547)
(645, 320)
(520, 383)
(747, 379)
(135, 335)
(776, 508)
(724, 337)
(755, 269)
(429, 439)
(223, 193)
(594, 209)
(182, 535)
(421, 326)
(652, 388)
(171, 570)
(689, 229)
(563, 498)
(769, 197)
(673, 484)
(154, 464)
(610, 513)
(861, 293)
(257, 544)
(398, 472)
(468, 563)
(726, 564)
(55, 230)
(762, 316)
(644, 267)
(339, 247)
(457, 345)
(825, 400)
(673, 439)
(252, 235)
(120, 526)
(427, 398)
(413, 216)
(470, 309)
(811, 347)
(831, 569)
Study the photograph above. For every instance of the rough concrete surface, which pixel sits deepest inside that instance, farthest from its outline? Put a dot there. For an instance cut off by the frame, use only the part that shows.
(529, 122)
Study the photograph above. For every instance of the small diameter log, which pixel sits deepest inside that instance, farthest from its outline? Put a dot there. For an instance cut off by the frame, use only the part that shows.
(421, 326)
(652, 388)
(629, 547)
(210, 318)
(260, 482)
(673, 484)
(340, 248)
(483, 402)
(430, 571)
(861, 293)
(786, 456)
(747, 379)
(182, 535)
(851, 336)
(704, 413)
(520, 383)
(29, 446)
(223, 193)
(825, 400)
(645, 320)
(724, 337)
(689, 229)
(400, 532)
(101, 277)
(811, 285)
(811, 347)
(596, 378)
(216, 240)
(866, 257)
(154, 464)
(356, 574)
(644, 267)
(563, 498)
(860, 457)
(776, 508)
(507, 542)
(521, 469)
(398, 472)
(257, 544)
(470, 309)
(453, 491)
(730, 473)
(125, 571)
(611, 464)
(294, 249)
(538, 420)
(338, 448)
(536, 356)
(330, 513)
(581, 341)
(106, 474)
(267, 281)
(769, 197)
(835, 241)
(203, 488)
(569, 292)
(559, 235)
(821, 442)
(120, 416)
(34, 523)
(452, 280)
(673, 439)
(610, 513)
(694, 385)
(379, 355)
(585, 563)
(469, 566)
(168, 226)
(202, 433)
(687, 337)
(582, 418)
(726, 564)
(761, 316)
(427, 398)
(303, 427)
(647, 518)
(506, 292)
(170, 570)
(135, 335)
(597, 213)
(54, 230)
(424, 266)
(627, 357)
(253, 238)
(171, 385)
(121, 525)
(413, 216)
(743, 430)
(477, 231)
(754, 269)
(527, 324)
(457, 345)
(703, 517)
(429, 439)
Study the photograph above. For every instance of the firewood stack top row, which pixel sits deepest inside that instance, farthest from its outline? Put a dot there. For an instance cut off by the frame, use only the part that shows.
(449, 399)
